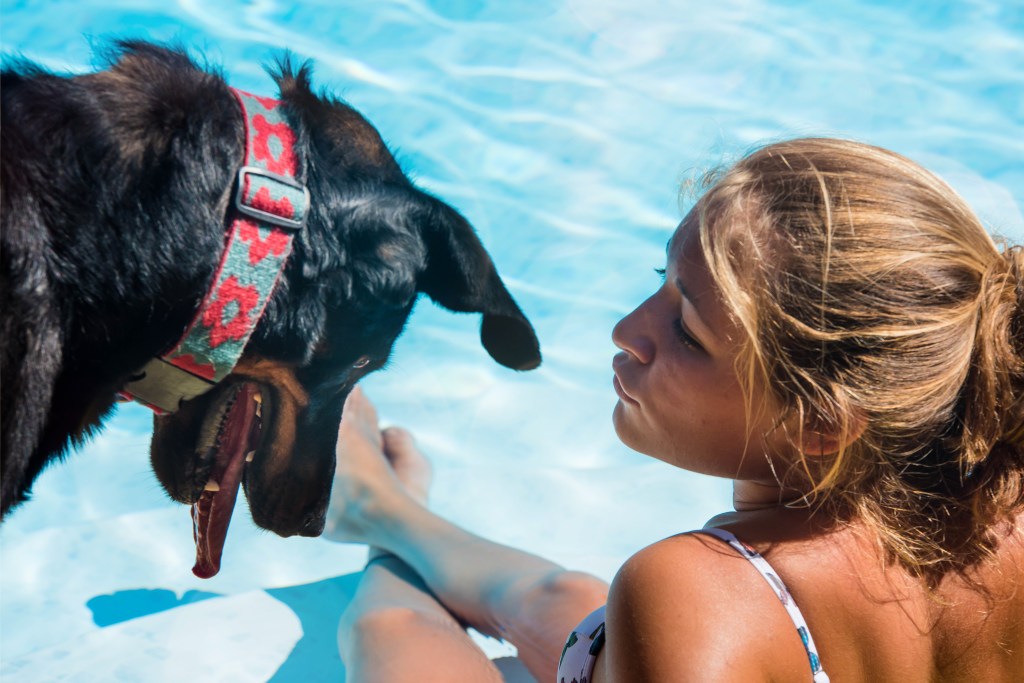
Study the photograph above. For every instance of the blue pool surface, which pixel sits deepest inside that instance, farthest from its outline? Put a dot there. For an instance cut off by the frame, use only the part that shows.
(563, 131)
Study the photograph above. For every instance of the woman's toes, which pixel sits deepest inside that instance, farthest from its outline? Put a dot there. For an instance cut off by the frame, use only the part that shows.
(358, 403)
(359, 419)
(409, 464)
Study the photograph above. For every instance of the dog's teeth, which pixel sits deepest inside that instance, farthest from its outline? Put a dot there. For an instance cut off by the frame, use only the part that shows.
(259, 410)
(250, 455)
(212, 486)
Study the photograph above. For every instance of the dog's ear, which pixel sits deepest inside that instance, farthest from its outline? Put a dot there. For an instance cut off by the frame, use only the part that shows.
(460, 276)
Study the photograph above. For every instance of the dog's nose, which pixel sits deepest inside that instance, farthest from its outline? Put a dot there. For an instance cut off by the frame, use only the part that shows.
(313, 525)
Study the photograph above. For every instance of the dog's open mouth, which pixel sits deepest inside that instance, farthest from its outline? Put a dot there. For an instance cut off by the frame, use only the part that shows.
(244, 433)
(229, 437)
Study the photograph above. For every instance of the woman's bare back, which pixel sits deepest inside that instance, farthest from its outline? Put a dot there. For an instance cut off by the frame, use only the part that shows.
(872, 621)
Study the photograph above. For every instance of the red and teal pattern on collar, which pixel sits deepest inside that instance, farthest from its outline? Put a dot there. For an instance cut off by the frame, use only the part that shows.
(270, 207)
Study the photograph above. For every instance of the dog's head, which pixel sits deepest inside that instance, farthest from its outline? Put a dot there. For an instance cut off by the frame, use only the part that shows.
(372, 244)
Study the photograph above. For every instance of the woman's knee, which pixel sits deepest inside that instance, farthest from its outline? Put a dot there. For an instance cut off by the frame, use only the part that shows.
(572, 588)
(401, 643)
(388, 623)
(556, 598)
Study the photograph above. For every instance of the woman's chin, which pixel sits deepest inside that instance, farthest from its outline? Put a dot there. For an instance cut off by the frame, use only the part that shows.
(630, 433)
(619, 419)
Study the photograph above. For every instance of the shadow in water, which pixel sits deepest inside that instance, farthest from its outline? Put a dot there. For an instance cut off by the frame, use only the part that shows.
(319, 606)
(131, 604)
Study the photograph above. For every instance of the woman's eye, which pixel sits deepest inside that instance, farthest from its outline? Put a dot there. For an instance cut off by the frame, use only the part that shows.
(685, 337)
(661, 273)
(361, 363)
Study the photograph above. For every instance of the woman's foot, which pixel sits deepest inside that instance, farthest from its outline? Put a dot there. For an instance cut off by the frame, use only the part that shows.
(378, 475)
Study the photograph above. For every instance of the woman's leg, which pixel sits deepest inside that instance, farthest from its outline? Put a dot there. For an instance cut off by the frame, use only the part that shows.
(394, 631)
(500, 591)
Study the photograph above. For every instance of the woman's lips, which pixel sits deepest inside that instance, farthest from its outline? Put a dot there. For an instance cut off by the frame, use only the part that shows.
(622, 392)
(621, 359)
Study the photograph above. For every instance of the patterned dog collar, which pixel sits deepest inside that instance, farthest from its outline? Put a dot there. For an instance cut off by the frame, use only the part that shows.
(270, 207)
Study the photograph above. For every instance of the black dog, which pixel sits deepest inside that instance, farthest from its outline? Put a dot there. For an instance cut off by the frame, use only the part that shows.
(116, 195)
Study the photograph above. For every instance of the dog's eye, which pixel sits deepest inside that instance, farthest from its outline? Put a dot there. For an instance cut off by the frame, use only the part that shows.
(361, 363)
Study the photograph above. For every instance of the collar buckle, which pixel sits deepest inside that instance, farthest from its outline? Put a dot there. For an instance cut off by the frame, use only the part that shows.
(275, 199)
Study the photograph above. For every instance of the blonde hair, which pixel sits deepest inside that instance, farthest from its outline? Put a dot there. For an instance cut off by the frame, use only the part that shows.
(873, 299)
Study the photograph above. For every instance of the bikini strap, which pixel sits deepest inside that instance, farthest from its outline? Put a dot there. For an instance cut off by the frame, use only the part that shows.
(781, 592)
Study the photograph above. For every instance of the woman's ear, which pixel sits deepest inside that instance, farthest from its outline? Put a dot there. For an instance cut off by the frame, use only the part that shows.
(821, 438)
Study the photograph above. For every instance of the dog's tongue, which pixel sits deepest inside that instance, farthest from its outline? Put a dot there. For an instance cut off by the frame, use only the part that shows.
(211, 514)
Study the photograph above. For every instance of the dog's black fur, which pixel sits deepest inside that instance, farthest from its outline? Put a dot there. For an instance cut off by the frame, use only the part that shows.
(114, 191)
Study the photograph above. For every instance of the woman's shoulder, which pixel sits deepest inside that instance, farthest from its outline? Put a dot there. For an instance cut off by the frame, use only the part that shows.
(690, 608)
(676, 568)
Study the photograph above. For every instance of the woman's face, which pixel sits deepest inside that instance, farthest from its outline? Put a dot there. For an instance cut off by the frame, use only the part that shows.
(679, 397)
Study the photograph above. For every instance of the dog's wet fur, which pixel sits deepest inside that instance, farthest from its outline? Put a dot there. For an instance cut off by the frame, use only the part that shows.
(115, 191)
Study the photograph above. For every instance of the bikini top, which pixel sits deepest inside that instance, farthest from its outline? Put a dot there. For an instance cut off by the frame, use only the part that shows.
(586, 640)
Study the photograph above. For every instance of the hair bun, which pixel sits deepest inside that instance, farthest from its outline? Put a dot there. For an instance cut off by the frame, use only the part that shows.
(1014, 417)
(1014, 257)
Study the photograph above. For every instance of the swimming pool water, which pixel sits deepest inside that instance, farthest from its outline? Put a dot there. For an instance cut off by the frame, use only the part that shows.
(562, 130)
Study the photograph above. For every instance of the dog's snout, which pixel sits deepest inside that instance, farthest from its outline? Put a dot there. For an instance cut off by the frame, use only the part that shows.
(313, 525)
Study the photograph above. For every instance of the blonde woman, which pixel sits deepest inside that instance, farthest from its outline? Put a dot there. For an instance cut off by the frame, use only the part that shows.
(838, 334)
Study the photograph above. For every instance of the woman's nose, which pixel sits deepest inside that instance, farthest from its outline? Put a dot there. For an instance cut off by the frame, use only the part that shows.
(632, 334)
